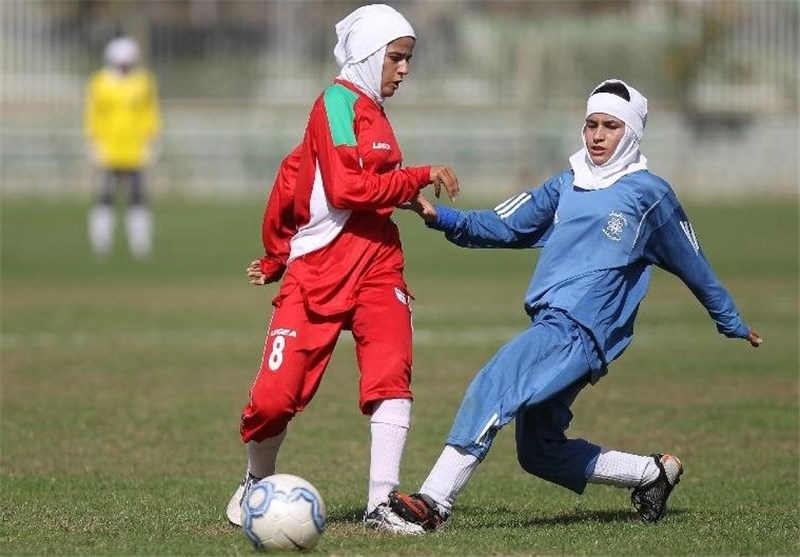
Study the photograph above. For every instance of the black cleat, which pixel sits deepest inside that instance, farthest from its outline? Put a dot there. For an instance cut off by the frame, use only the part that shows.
(650, 501)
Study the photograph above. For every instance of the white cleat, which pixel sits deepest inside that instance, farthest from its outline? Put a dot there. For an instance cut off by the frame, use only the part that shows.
(384, 519)
(234, 510)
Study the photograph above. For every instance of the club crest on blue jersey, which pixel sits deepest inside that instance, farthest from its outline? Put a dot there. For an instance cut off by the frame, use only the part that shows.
(616, 224)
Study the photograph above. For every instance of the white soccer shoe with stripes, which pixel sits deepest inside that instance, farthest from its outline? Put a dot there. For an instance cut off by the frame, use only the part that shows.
(234, 510)
(384, 519)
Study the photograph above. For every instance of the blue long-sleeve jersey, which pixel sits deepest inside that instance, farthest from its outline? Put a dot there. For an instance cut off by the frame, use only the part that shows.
(598, 250)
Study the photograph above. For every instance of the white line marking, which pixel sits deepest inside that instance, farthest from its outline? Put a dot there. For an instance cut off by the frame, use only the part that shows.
(78, 339)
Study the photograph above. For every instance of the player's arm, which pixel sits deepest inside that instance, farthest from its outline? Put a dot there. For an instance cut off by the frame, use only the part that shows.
(673, 246)
(347, 185)
(522, 221)
(278, 225)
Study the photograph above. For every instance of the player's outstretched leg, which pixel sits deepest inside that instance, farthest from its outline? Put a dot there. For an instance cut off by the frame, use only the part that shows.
(417, 508)
(650, 500)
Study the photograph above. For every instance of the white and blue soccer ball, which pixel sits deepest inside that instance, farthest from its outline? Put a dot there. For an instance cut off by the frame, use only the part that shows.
(283, 512)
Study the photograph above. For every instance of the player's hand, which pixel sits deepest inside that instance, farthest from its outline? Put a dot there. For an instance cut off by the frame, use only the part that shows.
(754, 339)
(421, 206)
(444, 177)
(255, 275)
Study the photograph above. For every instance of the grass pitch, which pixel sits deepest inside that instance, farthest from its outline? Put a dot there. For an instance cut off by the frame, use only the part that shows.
(122, 383)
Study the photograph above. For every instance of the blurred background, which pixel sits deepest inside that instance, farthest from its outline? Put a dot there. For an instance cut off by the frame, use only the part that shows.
(497, 88)
(123, 377)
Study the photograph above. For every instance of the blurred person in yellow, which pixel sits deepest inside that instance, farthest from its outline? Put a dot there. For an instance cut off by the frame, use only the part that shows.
(122, 125)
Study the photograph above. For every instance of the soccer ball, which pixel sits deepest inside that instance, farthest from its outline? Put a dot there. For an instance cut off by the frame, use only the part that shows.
(283, 512)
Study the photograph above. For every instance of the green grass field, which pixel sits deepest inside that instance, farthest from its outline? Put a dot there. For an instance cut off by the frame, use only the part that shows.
(122, 384)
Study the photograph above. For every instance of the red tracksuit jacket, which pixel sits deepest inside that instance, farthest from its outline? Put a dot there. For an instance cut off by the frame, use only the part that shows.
(327, 220)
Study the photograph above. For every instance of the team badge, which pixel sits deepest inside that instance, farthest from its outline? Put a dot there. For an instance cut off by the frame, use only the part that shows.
(616, 224)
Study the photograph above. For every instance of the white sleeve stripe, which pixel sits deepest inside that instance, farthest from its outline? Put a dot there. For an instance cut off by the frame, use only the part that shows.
(641, 222)
(509, 210)
(689, 232)
(509, 201)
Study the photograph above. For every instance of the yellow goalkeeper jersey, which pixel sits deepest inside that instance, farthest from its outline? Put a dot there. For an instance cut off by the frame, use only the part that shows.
(122, 117)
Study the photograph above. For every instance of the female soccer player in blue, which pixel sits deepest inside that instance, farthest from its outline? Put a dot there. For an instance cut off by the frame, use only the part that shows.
(602, 225)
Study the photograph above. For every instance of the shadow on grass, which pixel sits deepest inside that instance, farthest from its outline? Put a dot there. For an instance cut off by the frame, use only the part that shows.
(513, 518)
(476, 517)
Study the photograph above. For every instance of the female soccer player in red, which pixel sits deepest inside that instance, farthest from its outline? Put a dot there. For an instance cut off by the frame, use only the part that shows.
(328, 231)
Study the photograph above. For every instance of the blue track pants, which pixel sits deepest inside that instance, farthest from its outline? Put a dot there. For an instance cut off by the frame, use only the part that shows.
(534, 378)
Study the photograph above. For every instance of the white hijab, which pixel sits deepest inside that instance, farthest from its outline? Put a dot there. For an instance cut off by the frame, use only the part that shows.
(361, 47)
(122, 51)
(626, 158)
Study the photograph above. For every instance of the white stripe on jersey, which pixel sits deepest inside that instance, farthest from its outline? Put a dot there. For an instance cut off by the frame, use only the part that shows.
(509, 206)
(689, 231)
(509, 200)
(641, 221)
(324, 223)
(493, 421)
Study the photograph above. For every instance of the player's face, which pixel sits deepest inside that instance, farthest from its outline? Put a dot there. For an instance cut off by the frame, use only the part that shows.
(602, 133)
(396, 64)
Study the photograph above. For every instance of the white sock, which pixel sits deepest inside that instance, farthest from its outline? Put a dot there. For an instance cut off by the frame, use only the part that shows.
(448, 476)
(139, 224)
(389, 425)
(101, 229)
(623, 469)
(262, 455)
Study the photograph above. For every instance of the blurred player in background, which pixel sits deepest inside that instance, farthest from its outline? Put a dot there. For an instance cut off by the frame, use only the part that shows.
(327, 225)
(122, 124)
(602, 225)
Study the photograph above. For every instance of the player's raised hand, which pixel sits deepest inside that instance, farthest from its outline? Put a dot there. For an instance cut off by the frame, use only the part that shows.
(444, 177)
(255, 275)
(754, 339)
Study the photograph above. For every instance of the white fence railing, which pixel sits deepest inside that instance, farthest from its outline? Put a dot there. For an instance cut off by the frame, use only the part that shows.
(497, 87)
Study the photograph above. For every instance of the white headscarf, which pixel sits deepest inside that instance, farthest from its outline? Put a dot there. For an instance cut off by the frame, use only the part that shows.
(626, 158)
(361, 47)
(122, 51)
